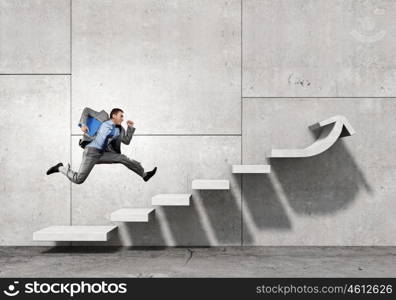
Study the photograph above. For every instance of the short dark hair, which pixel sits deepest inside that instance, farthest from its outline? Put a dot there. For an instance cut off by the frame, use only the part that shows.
(115, 111)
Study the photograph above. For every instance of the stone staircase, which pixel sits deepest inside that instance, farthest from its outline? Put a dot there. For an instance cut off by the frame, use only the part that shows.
(331, 130)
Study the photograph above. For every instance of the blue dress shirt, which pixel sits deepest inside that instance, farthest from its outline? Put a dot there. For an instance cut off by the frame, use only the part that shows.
(106, 133)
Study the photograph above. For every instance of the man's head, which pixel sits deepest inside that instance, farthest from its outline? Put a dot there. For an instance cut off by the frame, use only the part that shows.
(117, 115)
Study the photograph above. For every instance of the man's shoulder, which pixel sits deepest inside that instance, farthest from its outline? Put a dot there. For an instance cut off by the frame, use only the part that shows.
(107, 122)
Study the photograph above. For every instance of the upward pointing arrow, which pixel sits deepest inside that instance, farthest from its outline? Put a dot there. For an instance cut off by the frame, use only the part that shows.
(347, 129)
(331, 130)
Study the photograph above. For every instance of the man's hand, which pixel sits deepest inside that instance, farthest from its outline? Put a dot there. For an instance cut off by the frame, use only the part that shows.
(84, 128)
(130, 123)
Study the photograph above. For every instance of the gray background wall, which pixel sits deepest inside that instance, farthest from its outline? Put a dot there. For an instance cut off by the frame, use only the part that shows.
(209, 84)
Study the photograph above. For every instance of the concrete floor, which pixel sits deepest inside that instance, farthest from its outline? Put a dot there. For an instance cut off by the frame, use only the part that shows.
(198, 262)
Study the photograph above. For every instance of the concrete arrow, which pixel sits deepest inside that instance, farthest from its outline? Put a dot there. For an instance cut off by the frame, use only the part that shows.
(331, 130)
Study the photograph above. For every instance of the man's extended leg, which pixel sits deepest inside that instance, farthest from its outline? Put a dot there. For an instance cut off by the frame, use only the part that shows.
(90, 157)
(111, 158)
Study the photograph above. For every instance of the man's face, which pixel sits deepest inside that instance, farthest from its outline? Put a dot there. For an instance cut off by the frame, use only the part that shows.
(118, 118)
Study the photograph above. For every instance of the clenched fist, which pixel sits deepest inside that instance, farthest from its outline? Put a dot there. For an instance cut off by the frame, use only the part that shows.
(84, 128)
(130, 123)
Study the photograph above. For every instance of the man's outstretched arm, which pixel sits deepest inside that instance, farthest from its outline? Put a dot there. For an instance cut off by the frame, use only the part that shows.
(126, 138)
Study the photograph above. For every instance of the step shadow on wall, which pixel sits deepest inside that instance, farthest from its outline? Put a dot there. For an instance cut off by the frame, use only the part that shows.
(212, 219)
(323, 184)
(319, 185)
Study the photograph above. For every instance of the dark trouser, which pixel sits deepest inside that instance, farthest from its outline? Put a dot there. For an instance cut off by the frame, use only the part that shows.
(92, 156)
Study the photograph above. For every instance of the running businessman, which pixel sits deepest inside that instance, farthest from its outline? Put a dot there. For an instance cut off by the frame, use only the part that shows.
(104, 147)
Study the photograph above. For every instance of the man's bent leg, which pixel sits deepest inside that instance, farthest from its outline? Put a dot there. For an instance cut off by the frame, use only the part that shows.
(90, 157)
(111, 158)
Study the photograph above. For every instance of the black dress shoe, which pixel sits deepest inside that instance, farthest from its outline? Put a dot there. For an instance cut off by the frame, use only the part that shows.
(54, 169)
(150, 174)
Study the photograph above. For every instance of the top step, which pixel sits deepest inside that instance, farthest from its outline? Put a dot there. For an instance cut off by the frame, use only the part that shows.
(210, 184)
(74, 233)
(171, 199)
(251, 169)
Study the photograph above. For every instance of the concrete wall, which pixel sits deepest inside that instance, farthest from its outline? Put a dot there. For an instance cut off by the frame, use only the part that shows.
(209, 84)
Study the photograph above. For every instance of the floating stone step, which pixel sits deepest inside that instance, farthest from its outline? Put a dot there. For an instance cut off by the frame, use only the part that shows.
(131, 214)
(171, 199)
(251, 169)
(210, 184)
(74, 233)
